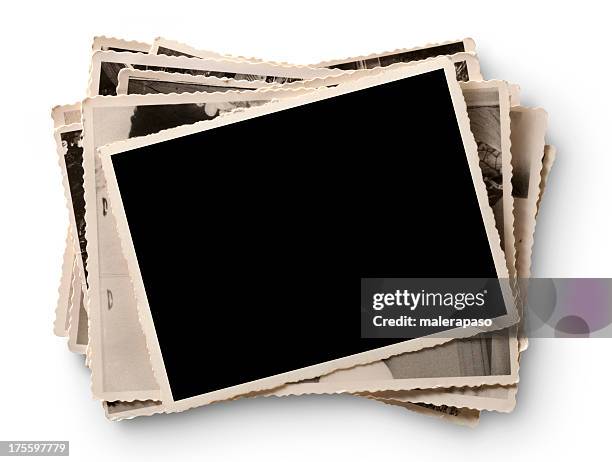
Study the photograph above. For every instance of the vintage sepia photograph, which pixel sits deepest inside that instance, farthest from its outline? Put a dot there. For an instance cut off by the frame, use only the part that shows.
(106, 65)
(485, 122)
(73, 160)
(137, 82)
(488, 106)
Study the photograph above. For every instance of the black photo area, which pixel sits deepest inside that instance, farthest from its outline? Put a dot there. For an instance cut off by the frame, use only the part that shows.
(252, 238)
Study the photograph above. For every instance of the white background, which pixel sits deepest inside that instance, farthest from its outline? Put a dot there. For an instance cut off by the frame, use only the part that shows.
(560, 56)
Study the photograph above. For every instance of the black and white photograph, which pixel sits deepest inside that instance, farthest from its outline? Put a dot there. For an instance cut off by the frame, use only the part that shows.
(484, 356)
(488, 106)
(461, 51)
(483, 107)
(136, 82)
(104, 82)
(528, 130)
(73, 160)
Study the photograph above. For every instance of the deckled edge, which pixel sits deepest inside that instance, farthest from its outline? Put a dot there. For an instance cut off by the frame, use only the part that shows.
(470, 58)
(527, 228)
(61, 152)
(89, 186)
(488, 218)
(515, 94)
(351, 75)
(469, 417)
(448, 398)
(508, 93)
(548, 160)
(60, 327)
(473, 64)
(102, 41)
(57, 113)
(221, 82)
(74, 315)
(91, 296)
(372, 356)
(420, 383)
(465, 415)
(511, 93)
(372, 386)
(132, 413)
(503, 89)
(181, 47)
(482, 197)
(469, 45)
(185, 98)
(202, 64)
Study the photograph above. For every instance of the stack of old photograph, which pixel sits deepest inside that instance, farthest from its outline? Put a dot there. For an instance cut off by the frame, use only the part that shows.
(221, 209)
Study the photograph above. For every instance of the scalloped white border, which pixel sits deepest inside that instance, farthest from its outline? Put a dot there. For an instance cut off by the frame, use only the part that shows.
(531, 132)
(64, 114)
(508, 199)
(465, 416)
(125, 75)
(548, 160)
(204, 54)
(74, 316)
(429, 383)
(60, 324)
(103, 43)
(532, 136)
(208, 64)
(469, 46)
(130, 411)
(468, 55)
(455, 397)
(61, 152)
